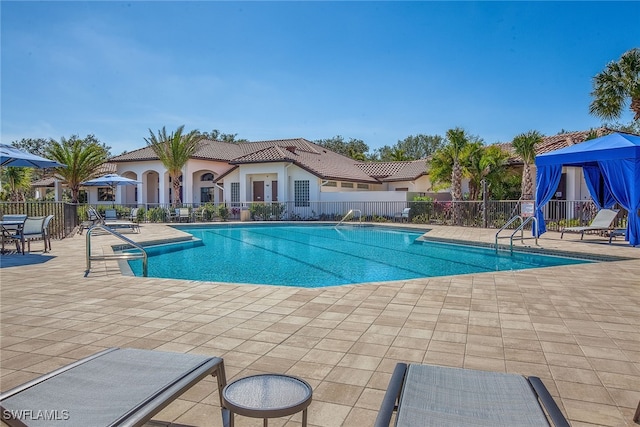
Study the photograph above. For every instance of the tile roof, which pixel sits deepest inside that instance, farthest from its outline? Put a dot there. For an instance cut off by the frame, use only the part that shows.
(555, 142)
(395, 171)
(209, 150)
(317, 160)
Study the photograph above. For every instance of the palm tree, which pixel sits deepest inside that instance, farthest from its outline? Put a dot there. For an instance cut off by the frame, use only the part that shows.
(16, 182)
(82, 158)
(482, 162)
(174, 151)
(447, 163)
(615, 84)
(399, 155)
(457, 140)
(524, 146)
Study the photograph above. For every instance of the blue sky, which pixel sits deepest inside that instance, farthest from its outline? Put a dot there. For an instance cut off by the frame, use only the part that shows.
(375, 71)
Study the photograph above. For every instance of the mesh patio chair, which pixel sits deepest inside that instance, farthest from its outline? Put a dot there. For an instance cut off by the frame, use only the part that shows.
(33, 229)
(429, 395)
(47, 233)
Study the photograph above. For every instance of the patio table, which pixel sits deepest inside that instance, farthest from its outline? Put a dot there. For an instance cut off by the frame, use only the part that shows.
(267, 396)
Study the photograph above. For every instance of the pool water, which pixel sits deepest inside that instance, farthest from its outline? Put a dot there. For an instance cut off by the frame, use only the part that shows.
(313, 256)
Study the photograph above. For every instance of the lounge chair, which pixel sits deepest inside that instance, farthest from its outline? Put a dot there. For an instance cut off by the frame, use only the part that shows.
(402, 216)
(133, 216)
(110, 215)
(113, 223)
(182, 214)
(124, 387)
(428, 395)
(602, 222)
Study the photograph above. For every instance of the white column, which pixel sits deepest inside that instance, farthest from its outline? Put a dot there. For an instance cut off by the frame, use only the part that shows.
(187, 186)
(162, 187)
(57, 190)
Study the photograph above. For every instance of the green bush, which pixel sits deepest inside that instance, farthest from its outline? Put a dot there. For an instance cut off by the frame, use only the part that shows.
(157, 215)
(223, 212)
(141, 215)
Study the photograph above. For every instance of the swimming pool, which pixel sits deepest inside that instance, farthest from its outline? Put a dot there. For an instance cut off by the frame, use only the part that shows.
(323, 255)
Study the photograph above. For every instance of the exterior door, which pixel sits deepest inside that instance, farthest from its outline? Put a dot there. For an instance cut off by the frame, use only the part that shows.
(258, 191)
(274, 191)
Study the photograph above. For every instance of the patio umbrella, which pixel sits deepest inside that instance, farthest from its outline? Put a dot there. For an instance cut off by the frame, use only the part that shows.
(110, 180)
(11, 156)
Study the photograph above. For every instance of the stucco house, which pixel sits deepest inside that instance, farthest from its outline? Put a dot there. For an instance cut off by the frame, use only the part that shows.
(298, 171)
(287, 170)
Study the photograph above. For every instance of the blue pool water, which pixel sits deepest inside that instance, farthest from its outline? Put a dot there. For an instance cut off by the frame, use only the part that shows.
(321, 255)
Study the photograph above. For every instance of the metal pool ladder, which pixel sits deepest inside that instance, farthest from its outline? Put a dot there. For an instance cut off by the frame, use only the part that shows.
(520, 228)
(142, 254)
(351, 212)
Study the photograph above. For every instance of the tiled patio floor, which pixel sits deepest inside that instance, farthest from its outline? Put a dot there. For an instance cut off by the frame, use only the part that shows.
(576, 327)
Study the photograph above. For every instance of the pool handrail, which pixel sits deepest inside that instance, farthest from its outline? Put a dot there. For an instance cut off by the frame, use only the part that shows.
(142, 254)
(351, 212)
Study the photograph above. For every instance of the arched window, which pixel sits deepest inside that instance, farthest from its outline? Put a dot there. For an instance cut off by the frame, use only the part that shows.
(207, 177)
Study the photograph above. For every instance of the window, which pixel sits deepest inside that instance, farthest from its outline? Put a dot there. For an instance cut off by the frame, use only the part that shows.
(207, 177)
(363, 186)
(206, 194)
(331, 184)
(235, 193)
(402, 189)
(105, 194)
(301, 193)
(346, 184)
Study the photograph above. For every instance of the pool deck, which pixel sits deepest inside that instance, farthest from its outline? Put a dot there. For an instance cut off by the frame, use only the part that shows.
(576, 327)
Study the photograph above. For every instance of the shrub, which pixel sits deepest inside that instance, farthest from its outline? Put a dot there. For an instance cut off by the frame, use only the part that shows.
(223, 212)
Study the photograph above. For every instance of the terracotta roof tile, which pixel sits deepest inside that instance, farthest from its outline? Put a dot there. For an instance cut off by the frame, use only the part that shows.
(319, 161)
(395, 171)
(555, 142)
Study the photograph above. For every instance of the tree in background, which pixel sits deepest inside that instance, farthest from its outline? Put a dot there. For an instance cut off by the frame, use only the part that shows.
(216, 135)
(354, 148)
(615, 85)
(449, 159)
(37, 146)
(413, 148)
(174, 151)
(525, 146)
(16, 183)
(481, 162)
(82, 159)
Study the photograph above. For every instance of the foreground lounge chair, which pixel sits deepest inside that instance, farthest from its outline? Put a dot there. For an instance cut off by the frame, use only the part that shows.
(428, 395)
(123, 387)
(602, 222)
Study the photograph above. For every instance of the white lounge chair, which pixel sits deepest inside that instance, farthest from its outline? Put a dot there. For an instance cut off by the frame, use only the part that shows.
(602, 222)
(403, 216)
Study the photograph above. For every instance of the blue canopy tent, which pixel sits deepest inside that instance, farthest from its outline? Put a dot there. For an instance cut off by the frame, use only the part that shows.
(614, 158)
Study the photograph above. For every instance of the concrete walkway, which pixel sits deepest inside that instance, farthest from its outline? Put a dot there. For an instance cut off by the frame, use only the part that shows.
(577, 327)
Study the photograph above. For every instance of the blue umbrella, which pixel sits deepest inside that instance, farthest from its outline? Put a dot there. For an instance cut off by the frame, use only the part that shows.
(11, 156)
(110, 180)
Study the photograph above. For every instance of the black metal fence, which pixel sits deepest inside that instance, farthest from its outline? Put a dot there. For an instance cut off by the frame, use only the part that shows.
(490, 214)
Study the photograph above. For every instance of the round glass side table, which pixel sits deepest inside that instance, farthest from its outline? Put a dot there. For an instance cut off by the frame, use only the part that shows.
(267, 396)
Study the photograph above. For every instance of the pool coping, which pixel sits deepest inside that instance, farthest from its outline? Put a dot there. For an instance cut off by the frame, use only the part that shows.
(530, 249)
